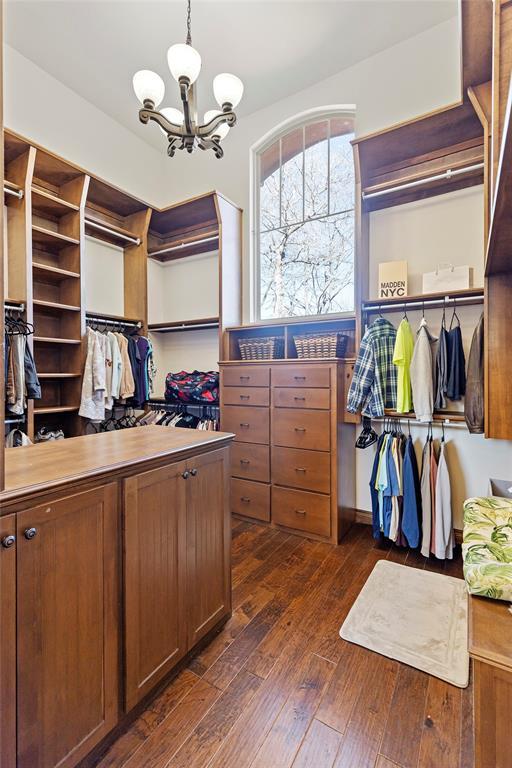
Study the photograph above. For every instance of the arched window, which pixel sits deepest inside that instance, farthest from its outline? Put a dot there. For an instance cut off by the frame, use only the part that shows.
(304, 219)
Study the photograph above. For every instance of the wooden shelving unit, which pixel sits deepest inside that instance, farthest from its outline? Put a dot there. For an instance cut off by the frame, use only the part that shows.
(58, 193)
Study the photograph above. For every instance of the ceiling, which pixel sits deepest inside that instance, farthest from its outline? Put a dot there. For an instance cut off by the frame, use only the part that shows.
(277, 48)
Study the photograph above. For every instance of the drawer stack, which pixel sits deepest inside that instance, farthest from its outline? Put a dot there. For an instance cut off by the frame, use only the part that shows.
(301, 448)
(245, 402)
(284, 467)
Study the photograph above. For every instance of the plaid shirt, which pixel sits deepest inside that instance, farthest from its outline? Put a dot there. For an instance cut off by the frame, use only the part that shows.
(374, 383)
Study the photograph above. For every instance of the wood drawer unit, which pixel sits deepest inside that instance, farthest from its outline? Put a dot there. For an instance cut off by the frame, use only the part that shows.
(308, 512)
(291, 397)
(301, 376)
(246, 396)
(296, 468)
(250, 462)
(250, 425)
(246, 376)
(301, 428)
(250, 499)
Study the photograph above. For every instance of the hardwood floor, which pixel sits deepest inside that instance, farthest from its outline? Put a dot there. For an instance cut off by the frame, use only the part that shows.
(278, 687)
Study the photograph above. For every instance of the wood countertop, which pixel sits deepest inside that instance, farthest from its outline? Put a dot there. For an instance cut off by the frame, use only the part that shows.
(37, 468)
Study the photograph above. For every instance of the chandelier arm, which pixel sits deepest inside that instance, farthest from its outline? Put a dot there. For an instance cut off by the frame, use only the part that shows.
(208, 129)
(211, 143)
(171, 129)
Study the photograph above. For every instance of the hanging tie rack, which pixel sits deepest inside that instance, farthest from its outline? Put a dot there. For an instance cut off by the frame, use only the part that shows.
(13, 192)
(112, 321)
(112, 232)
(10, 307)
(460, 298)
(449, 174)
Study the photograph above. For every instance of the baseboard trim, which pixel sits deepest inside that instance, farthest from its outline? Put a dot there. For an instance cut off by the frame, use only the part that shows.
(366, 518)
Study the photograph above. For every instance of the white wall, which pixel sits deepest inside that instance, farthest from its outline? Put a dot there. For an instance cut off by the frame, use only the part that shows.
(448, 228)
(103, 277)
(185, 289)
(413, 77)
(44, 110)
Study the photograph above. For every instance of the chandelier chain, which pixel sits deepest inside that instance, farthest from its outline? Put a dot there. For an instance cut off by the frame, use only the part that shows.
(189, 24)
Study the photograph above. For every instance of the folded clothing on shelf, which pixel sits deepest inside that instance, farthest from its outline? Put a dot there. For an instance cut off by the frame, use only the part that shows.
(192, 387)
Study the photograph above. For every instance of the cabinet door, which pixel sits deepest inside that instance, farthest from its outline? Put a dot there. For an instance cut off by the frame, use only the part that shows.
(208, 543)
(67, 596)
(155, 573)
(8, 641)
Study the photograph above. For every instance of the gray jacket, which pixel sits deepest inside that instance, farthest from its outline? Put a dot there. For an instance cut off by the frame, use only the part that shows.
(474, 400)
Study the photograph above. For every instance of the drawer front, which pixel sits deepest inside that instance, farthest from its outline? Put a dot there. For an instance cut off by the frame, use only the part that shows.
(246, 395)
(250, 461)
(290, 397)
(250, 499)
(246, 376)
(309, 470)
(250, 425)
(301, 376)
(300, 428)
(304, 511)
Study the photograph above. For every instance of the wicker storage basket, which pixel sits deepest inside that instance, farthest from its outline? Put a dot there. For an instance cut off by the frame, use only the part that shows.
(265, 348)
(321, 345)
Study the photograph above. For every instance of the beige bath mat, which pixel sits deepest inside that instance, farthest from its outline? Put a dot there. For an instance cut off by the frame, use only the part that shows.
(414, 616)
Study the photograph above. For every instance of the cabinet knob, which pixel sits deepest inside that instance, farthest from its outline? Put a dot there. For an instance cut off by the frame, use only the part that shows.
(8, 541)
(185, 475)
(29, 533)
(193, 472)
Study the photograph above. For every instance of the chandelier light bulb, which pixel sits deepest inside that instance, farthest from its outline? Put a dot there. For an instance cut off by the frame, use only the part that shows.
(228, 89)
(148, 86)
(222, 130)
(173, 115)
(184, 61)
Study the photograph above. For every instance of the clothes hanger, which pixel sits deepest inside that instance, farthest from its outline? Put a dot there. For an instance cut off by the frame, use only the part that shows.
(454, 315)
(404, 317)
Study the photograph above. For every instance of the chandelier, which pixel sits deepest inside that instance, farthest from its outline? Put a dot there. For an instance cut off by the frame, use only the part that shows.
(182, 128)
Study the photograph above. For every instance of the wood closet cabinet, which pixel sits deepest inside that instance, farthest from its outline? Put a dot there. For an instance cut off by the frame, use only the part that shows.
(67, 627)
(289, 466)
(176, 565)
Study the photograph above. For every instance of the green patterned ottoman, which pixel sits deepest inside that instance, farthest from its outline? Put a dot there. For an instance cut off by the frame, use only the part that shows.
(487, 547)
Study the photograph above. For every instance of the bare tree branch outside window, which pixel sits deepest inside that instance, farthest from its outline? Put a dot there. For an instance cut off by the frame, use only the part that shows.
(306, 222)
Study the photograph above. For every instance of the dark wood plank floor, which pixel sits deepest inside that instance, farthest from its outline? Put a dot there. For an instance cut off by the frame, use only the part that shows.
(278, 687)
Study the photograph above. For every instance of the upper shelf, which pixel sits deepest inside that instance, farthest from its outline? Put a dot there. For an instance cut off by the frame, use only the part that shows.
(424, 149)
(499, 245)
(185, 229)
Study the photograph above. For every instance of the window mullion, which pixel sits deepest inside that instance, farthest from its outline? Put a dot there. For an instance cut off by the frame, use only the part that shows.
(328, 167)
(303, 173)
(280, 182)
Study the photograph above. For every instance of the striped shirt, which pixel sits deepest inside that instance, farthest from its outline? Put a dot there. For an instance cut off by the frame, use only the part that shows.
(374, 383)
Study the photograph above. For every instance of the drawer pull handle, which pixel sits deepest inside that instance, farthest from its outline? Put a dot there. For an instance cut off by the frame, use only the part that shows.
(244, 424)
(300, 469)
(301, 512)
(245, 397)
(300, 378)
(299, 398)
(8, 541)
(244, 378)
(245, 499)
(245, 461)
(300, 429)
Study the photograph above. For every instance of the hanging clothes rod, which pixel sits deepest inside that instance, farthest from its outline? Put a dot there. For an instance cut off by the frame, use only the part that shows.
(14, 192)
(108, 321)
(113, 232)
(15, 421)
(398, 306)
(14, 307)
(180, 246)
(427, 180)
